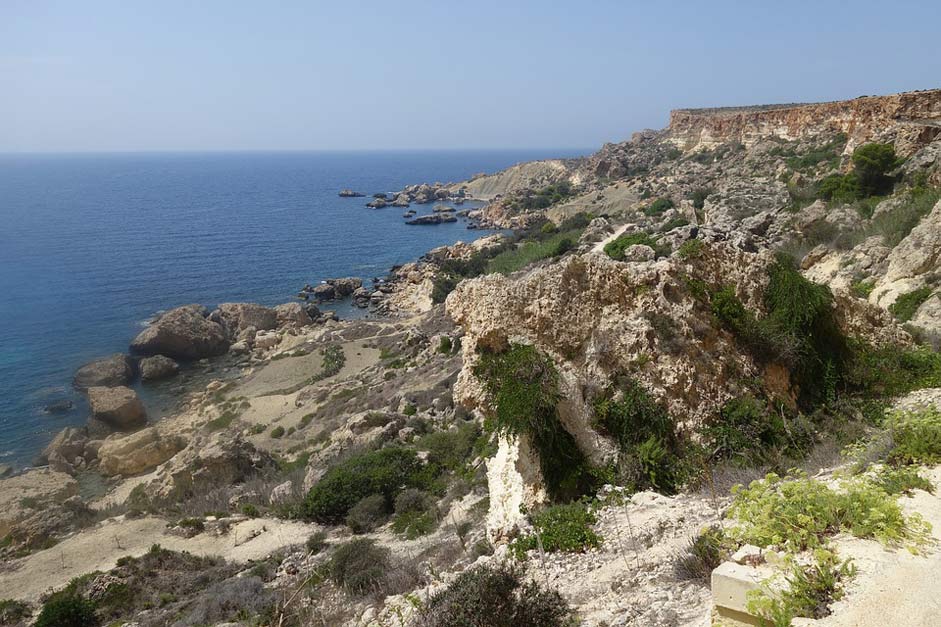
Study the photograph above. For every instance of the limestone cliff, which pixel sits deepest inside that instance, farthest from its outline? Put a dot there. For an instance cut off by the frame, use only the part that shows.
(915, 117)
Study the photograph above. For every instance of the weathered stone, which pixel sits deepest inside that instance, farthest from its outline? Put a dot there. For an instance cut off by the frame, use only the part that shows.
(117, 407)
(138, 452)
(236, 317)
(157, 367)
(62, 452)
(108, 371)
(293, 315)
(182, 333)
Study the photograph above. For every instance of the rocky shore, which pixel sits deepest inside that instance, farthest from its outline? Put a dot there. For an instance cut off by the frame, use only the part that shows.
(562, 410)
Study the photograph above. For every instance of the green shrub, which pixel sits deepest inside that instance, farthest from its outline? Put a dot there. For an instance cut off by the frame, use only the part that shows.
(803, 311)
(799, 513)
(906, 305)
(674, 223)
(658, 207)
(699, 196)
(450, 450)
(359, 566)
(415, 514)
(892, 370)
(895, 225)
(544, 198)
(277, 432)
(862, 288)
(12, 611)
(901, 480)
(808, 593)
(368, 514)
(410, 410)
(651, 450)
(839, 187)
(67, 610)
(560, 528)
(195, 524)
(317, 542)
(703, 554)
(495, 596)
(800, 331)
(691, 249)
(523, 385)
(872, 164)
(916, 436)
(250, 510)
(747, 432)
(445, 346)
(531, 251)
(615, 248)
(384, 472)
(829, 154)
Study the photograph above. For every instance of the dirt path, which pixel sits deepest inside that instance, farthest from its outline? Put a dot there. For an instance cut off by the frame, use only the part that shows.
(100, 547)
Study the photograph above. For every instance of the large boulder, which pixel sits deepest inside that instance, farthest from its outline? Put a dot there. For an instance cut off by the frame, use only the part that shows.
(118, 408)
(22, 495)
(182, 333)
(236, 317)
(66, 451)
(293, 315)
(158, 367)
(919, 252)
(207, 462)
(107, 371)
(138, 452)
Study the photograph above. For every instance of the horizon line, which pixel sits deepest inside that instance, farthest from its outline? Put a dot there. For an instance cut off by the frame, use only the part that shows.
(14, 153)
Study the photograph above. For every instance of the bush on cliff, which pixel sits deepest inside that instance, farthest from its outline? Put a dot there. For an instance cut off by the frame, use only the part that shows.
(524, 387)
(658, 207)
(359, 566)
(384, 472)
(906, 305)
(800, 331)
(561, 528)
(651, 449)
(870, 176)
(616, 248)
(495, 596)
(747, 432)
(67, 610)
(872, 164)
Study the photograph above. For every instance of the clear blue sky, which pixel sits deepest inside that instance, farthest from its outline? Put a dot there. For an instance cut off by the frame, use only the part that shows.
(229, 75)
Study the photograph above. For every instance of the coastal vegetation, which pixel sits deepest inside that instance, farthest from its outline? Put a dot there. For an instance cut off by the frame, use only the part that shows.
(516, 252)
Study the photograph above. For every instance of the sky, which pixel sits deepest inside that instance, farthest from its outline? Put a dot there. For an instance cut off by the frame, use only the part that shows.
(129, 75)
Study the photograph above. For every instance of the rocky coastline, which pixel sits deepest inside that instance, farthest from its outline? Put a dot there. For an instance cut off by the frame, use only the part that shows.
(564, 408)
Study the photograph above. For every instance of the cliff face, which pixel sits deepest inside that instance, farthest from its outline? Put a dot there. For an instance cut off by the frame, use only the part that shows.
(913, 119)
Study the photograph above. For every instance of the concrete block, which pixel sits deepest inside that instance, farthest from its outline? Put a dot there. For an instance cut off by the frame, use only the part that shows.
(732, 582)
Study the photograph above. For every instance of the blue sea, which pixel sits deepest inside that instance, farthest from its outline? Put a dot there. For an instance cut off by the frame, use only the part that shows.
(92, 246)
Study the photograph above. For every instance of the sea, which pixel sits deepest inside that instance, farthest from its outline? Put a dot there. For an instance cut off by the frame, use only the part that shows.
(92, 246)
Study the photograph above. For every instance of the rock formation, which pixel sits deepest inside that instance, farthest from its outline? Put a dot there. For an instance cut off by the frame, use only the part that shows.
(108, 371)
(118, 408)
(182, 333)
(157, 368)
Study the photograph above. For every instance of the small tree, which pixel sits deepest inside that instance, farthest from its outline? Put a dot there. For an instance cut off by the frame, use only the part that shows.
(872, 164)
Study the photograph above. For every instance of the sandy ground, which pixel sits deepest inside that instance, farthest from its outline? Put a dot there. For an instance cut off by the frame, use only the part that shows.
(894, 587)
(100, 547)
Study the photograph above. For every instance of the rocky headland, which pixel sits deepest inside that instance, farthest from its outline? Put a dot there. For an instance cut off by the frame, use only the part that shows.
(549, 421)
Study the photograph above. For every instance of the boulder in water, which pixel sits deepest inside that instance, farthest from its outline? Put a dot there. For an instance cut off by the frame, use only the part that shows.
(236, 317)
(182, 333)
(107, 371)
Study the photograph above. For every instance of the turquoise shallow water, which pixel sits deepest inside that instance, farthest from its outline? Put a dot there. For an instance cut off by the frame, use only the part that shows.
(91, 246)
